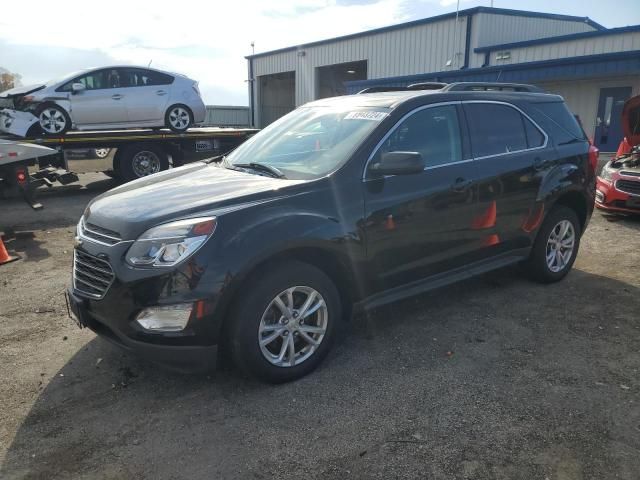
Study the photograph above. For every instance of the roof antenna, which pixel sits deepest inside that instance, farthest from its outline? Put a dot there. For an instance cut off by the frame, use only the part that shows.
(149, 64)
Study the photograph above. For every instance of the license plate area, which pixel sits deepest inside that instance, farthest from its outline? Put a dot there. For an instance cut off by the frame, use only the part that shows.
(633, 202)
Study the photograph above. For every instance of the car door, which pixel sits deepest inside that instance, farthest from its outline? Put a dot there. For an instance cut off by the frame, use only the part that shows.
(420, 224)
(101, 102)
(511, 158)
(147, 94)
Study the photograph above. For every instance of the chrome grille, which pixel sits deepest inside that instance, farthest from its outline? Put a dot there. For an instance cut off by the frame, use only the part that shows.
(99, 234)
(92, 276)
(628, 186)
(630, 174)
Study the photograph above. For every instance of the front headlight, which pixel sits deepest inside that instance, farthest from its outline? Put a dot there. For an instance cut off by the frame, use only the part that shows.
(605, 174)
(169, 244)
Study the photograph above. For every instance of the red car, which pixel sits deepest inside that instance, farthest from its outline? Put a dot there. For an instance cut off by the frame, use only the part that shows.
(618, 185)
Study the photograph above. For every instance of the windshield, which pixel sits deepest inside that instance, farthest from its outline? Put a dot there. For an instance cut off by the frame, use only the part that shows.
(309, 142)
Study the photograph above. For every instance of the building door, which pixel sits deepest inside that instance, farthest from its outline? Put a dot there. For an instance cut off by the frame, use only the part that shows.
(608, 122)
(277, 95)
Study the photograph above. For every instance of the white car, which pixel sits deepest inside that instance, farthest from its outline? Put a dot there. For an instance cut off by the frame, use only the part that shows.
(104, 98)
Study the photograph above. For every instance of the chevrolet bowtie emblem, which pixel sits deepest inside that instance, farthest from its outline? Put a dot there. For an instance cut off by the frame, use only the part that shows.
(77, 241)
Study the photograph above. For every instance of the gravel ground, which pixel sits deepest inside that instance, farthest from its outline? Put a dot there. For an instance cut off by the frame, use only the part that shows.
(492, 378)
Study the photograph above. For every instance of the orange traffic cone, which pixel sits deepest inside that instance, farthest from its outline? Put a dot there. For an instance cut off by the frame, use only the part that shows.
(623, 148)
(4, 255)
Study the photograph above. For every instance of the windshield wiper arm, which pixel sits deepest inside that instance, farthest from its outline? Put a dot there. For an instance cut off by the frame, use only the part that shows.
(263, 167)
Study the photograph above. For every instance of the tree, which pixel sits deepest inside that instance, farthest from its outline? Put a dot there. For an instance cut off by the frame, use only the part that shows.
(8, 80)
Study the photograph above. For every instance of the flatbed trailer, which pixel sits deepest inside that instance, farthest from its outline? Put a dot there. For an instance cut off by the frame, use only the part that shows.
(139, 153)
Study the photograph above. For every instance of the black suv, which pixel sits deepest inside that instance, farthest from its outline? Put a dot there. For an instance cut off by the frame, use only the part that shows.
(350, 201)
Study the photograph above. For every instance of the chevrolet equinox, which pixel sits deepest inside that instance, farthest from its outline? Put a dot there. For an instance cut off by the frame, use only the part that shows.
(353, 201)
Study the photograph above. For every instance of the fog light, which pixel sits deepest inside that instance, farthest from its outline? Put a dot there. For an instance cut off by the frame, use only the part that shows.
(166, 318)
(599, 196)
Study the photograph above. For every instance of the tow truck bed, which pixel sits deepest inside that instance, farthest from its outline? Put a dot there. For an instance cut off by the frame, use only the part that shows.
(139, 152)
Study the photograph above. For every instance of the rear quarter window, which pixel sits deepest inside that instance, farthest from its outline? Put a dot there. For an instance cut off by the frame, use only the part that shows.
(560, 116)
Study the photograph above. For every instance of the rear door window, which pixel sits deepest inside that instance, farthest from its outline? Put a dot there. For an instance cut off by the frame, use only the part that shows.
(433, 132)
(497, 129)
(139, 77)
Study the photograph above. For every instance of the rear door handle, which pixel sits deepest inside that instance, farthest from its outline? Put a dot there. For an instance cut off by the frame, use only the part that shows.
(117, 96)
(461, 184)
(161, 92)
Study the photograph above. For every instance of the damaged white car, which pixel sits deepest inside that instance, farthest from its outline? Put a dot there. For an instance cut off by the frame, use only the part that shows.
(103, 98)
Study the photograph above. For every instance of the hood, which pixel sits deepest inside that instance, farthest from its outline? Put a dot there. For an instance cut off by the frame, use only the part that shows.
(191, 190)
(19, 91)
(631, 120)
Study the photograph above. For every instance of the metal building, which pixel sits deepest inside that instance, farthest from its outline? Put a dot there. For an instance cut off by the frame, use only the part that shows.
(594, 68)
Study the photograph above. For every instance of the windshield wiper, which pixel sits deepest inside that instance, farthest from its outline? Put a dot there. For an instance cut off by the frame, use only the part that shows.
(263, 167)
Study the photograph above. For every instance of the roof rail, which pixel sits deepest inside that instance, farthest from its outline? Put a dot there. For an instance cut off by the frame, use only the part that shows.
(459, 87)
(427, 86)
(382, 89)
(413, 86)
(490, 87)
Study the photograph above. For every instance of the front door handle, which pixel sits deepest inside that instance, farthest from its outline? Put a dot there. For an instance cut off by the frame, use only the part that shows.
(461, 184)
(117, 96)
(161, 92)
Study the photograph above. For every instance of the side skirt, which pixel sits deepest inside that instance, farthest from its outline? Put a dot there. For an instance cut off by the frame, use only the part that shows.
(442, 279)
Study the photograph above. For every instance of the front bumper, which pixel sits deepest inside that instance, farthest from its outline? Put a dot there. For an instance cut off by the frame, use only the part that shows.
(185, 358)
(16, 122)
(112, 313)
(610, 199)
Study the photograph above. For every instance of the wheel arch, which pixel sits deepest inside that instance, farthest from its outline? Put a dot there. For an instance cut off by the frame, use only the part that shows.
(576, 201)
(331, 263)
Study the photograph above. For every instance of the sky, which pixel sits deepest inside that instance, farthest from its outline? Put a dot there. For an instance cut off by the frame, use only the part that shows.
(208, 40)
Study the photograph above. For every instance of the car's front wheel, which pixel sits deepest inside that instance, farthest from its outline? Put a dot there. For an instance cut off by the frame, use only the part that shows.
(53, 120)
(556, 246)
(178, 118)
(284, 324)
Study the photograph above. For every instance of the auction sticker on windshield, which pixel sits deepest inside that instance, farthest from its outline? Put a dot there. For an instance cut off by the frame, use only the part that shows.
(375, 116)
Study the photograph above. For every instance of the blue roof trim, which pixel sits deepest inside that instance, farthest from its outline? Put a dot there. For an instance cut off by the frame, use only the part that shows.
(437, 18)
(560, 38)
(545, 70)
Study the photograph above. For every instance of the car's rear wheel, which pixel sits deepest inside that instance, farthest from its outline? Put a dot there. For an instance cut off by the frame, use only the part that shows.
(285, 323)
(178, 118)
(556, 246)
(53, 120)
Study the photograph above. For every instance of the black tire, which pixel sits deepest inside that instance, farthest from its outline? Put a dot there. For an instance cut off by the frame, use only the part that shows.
(171, 125)
(123, 164)
(63, 114)
(536, 265)
(256, 298)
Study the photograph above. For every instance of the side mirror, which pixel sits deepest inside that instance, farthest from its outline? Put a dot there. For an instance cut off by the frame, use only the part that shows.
(78, 87)
(398, 163)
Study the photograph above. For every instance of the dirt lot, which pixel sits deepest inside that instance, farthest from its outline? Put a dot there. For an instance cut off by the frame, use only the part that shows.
(494, 378)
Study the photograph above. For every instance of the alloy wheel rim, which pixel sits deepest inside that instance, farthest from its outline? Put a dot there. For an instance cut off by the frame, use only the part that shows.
(145, 163)
(179, 118)
(52, 120)
(293, 326)
(560, 246)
